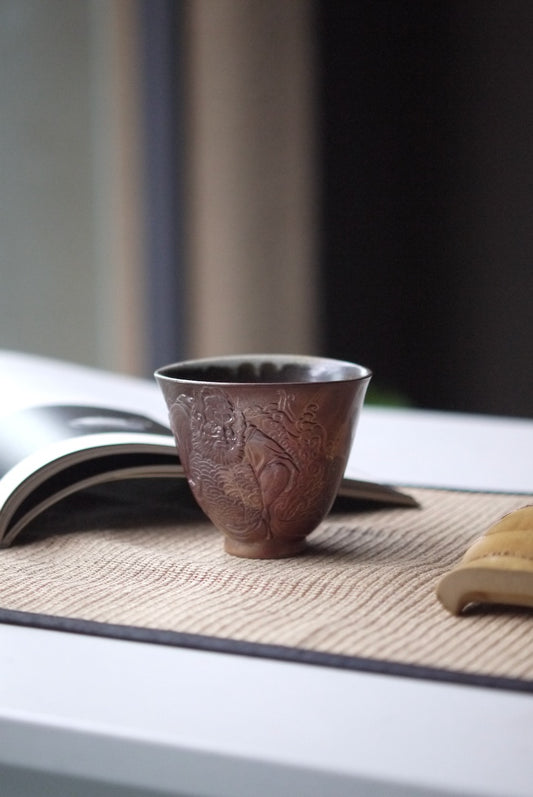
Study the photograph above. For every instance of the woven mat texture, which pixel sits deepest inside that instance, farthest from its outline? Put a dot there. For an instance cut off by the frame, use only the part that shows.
(365, 587)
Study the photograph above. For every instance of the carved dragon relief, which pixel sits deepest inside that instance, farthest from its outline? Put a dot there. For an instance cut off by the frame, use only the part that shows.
(262, 469)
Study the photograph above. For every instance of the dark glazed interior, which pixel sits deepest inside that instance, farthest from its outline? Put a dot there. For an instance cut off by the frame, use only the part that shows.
(266, 371)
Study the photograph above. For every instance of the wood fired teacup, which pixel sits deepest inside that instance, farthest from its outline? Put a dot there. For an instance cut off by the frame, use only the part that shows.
(264, 441)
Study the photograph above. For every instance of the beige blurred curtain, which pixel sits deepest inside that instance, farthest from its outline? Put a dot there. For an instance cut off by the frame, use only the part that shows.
(250, 183)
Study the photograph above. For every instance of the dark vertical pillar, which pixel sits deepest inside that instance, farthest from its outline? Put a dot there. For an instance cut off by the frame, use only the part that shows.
(161, 29)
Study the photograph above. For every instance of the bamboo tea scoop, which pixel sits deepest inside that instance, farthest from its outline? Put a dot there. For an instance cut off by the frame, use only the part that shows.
(496, 569)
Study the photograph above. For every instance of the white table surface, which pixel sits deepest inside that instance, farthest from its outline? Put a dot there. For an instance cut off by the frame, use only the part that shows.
(92, 716)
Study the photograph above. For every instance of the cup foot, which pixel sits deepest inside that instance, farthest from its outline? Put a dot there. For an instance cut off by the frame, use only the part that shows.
(276, 548)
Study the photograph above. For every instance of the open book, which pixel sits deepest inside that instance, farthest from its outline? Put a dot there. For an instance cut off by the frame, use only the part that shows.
(65, 428)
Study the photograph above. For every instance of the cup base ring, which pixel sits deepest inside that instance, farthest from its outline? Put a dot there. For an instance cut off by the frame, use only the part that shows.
(276, 548)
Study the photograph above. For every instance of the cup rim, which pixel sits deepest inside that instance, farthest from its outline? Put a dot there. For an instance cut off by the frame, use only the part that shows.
(345, 370)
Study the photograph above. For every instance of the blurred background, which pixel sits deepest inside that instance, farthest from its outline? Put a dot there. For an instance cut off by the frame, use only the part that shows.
(197, 177)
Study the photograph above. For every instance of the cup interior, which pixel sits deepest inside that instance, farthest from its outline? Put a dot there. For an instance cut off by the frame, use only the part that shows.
(263, 369)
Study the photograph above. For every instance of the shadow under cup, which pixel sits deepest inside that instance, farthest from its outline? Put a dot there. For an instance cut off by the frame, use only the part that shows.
(264, 441)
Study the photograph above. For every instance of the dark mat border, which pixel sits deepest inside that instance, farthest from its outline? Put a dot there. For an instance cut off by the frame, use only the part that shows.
(259, 650)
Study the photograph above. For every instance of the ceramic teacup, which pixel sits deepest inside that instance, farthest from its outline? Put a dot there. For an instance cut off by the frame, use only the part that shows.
(264, 441)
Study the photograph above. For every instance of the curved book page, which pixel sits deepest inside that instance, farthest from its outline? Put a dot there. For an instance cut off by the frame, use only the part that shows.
(50, 451)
